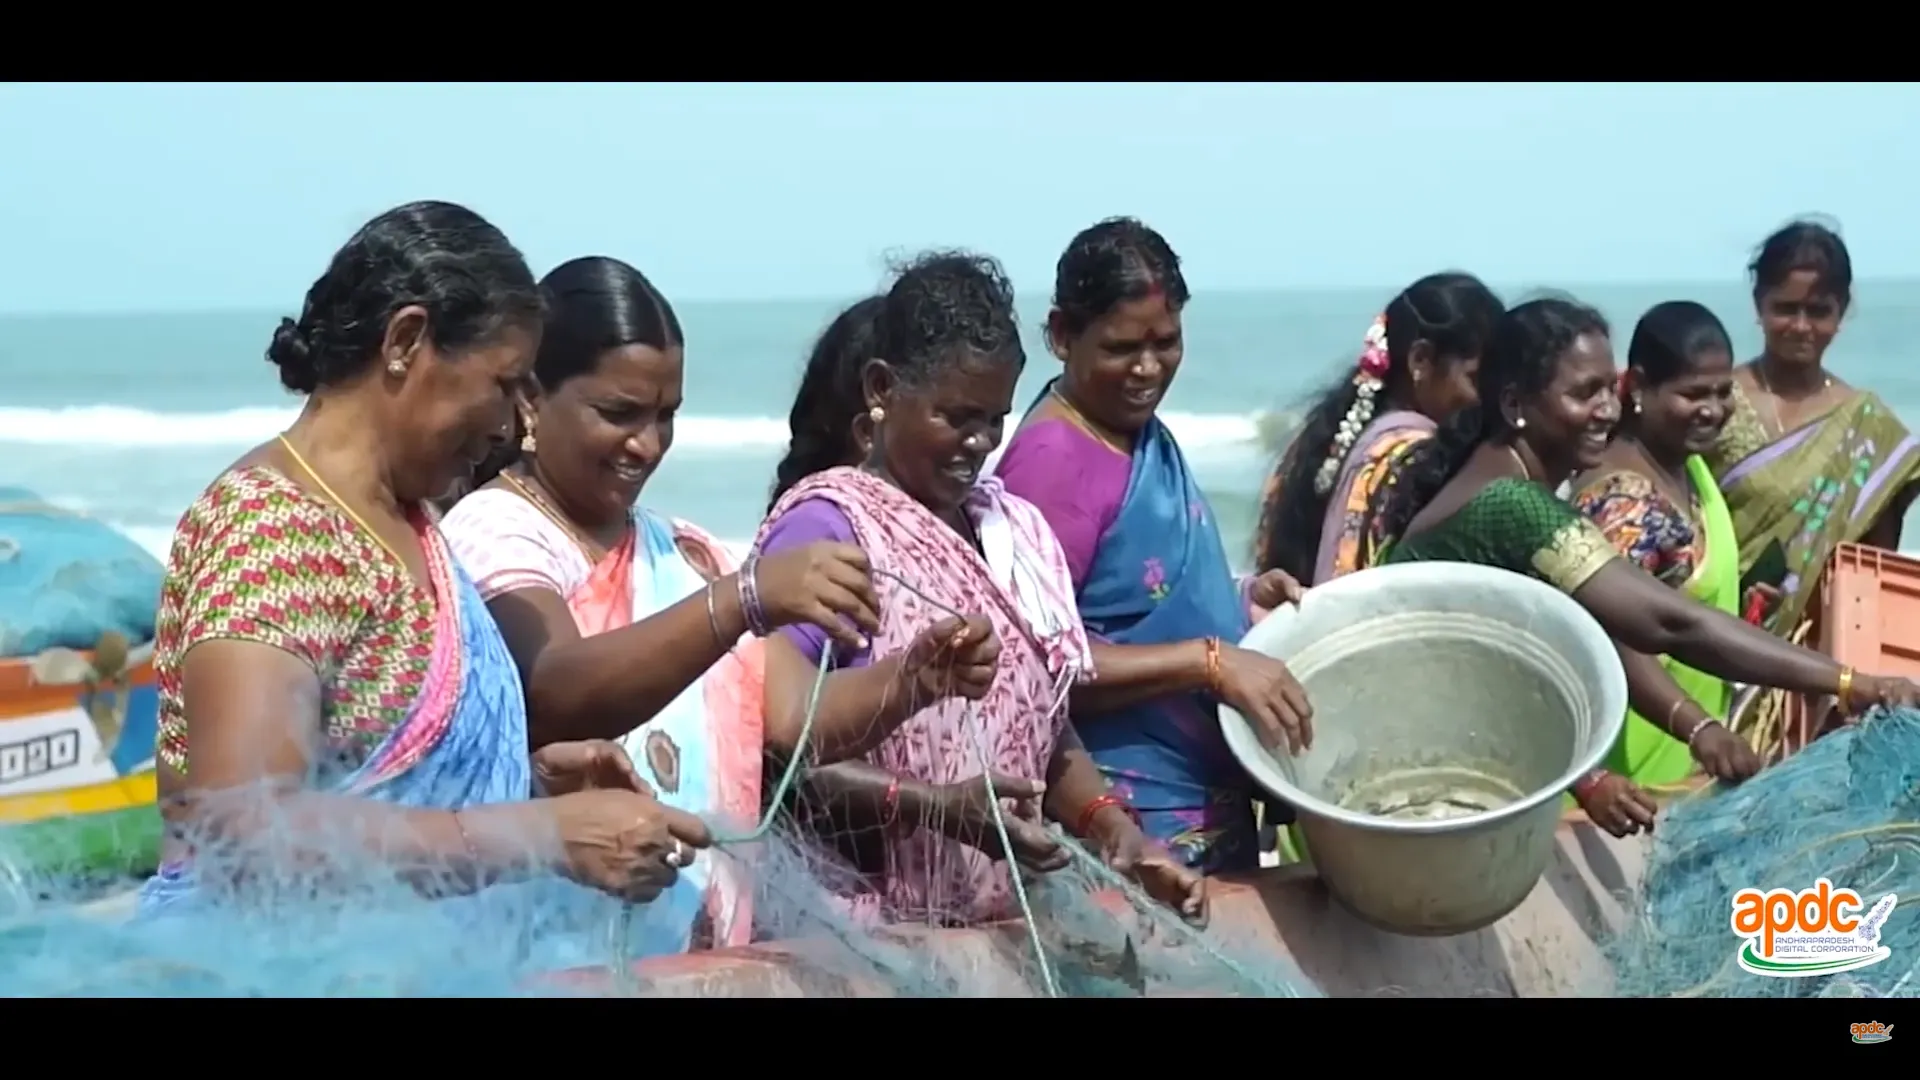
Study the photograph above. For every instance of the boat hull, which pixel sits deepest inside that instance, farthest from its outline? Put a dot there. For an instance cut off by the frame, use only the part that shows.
(77, 782)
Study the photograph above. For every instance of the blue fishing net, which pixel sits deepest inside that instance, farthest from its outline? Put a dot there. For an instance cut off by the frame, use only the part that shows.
(317, 919)
(1846, 809)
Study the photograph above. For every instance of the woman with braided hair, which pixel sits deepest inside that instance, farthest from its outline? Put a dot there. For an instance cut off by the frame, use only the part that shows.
(1416, 369)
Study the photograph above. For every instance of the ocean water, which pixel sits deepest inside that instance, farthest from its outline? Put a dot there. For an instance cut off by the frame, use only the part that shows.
(128, 416)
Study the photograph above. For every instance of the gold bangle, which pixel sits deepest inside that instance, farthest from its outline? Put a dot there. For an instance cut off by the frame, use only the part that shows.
(1845, 692)
(1672, 713)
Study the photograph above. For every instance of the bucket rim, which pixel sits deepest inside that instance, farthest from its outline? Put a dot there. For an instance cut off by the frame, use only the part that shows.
(1246, 748)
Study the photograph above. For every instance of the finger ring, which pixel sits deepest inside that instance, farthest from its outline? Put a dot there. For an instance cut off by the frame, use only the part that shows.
(673, 856)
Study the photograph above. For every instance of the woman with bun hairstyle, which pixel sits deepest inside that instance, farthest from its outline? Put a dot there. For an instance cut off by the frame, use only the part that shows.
(346, 697)
(1416, 369)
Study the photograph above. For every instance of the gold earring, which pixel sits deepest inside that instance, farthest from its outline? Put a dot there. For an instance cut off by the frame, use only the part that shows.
(526, 442)
(876, 414)
(396, 367)
(1636, 403)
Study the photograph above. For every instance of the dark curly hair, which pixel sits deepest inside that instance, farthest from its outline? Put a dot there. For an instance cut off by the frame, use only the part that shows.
(438, 255)
(1804, 245)
(1108, 264)
(942, 308)
(1455, 313)
(1522, 355)
(821, 424)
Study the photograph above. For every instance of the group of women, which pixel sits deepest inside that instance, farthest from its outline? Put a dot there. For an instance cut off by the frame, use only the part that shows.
(432, 625)
(1689, 503)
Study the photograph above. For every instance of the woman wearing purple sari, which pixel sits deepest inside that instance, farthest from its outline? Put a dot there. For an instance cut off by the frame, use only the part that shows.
(1150, 573)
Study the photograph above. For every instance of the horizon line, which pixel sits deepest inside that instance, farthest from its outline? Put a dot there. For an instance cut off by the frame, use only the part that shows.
(797, 300)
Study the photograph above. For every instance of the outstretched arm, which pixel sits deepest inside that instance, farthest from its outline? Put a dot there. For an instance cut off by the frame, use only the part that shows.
(1650, 617)
(1128, 674)
(595, 687)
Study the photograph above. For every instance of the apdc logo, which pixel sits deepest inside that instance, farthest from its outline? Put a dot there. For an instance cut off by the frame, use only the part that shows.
(1817, 931)
(1875, 1032)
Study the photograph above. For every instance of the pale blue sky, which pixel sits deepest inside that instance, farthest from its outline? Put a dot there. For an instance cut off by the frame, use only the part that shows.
(232, 196)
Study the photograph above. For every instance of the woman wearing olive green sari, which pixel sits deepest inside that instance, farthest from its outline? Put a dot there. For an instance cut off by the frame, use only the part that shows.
(1806, 462)
(1654, 499)
(1482, 491)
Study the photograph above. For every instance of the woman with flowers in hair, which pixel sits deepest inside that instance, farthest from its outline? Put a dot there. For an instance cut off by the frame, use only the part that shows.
(1416, 369)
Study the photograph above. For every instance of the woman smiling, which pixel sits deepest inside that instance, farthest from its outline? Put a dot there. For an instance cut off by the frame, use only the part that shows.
(329, 681)
(1654, 500)
(1482, 491)
(627, 624)
(956, 706)
(1149, 572)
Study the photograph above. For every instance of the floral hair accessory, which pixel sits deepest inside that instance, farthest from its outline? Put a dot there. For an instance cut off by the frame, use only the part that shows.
(1368, 381)
(1374, 360)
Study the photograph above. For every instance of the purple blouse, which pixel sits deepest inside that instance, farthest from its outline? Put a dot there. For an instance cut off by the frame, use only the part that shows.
(1076, 481)
(811, 521)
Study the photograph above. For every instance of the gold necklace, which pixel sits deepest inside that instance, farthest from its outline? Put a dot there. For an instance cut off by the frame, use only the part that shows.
(1773, 399)
(1080, 419)
(587, 544)
(345, 507)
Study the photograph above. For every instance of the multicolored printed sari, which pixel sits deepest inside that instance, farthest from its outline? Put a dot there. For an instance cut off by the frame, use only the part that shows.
(1703, 546)
(1021, 585)
(463, 742)
(1349, 539)
(1823, 484)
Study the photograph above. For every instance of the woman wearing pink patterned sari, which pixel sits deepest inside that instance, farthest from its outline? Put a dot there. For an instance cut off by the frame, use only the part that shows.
(963, 570)
(348, 704)
(584, 582)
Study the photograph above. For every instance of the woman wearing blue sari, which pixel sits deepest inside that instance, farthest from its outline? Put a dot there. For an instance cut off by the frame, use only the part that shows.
(351, 708)
(1151, 575)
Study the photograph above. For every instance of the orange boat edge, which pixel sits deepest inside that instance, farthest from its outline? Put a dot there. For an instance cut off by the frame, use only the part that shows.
(77, 787)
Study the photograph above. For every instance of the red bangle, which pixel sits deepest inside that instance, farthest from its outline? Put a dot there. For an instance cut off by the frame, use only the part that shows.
(890, 803)
(1585, 785)
(1097, 804)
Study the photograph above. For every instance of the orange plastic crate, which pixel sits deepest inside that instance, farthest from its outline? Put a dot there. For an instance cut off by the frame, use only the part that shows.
(1871, 615)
